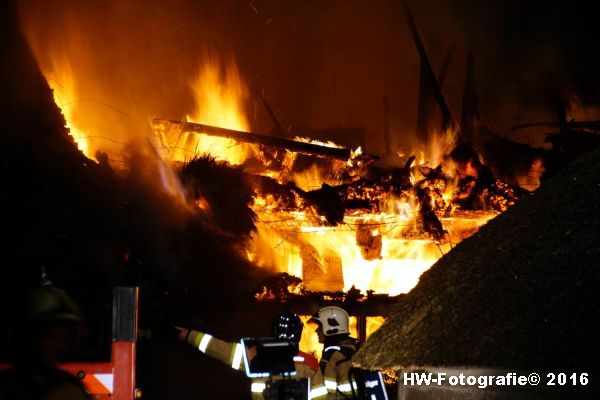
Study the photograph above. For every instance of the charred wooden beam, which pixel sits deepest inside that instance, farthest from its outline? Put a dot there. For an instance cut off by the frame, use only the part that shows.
(425, 108)
(447, 119)
(561, 111)
(340, 153)
(470, 105)
(426, 102)
(387, 139)
(585, 125)
(278, 127)
(446, 65)
(308, 302)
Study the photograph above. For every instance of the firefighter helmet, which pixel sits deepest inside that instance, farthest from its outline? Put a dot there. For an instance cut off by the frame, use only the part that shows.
(49, 304)
(287, 325)
(334, 320)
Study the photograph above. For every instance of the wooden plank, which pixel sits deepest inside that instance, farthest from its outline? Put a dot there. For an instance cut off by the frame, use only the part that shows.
(447, 119)
(340, 153)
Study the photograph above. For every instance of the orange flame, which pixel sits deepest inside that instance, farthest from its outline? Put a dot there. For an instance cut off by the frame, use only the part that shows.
(62, 82)
(385, 252)
(220, 98)
(438, 145)
(369, 251)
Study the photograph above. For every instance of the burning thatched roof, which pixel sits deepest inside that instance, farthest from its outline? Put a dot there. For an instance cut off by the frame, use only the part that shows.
(521, 293)
(92, 226)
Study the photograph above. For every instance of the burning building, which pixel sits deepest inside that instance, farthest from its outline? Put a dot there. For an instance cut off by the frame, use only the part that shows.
(193, 190)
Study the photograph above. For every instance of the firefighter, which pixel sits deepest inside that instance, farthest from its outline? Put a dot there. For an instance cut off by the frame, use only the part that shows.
(338, 350)
(286, 325)
(45, 326)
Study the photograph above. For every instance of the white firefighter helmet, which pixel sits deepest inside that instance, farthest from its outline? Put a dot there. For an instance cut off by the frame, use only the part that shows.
(334, 320)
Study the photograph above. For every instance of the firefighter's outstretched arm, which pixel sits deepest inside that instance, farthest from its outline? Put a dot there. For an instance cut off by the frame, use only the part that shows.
(227, 352)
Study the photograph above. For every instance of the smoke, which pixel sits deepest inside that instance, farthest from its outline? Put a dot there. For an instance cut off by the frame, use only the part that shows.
(320, 64)
(122, 65)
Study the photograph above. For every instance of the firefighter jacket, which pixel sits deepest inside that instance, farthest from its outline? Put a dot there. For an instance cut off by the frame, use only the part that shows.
(335, 365)
(231, 354)
(43, 383)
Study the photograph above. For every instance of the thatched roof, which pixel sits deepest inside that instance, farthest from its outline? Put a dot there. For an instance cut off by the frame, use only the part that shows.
(524, 292)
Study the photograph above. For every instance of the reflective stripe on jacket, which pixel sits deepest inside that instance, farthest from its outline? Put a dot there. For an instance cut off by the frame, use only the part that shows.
(335, 366)
(231, 354)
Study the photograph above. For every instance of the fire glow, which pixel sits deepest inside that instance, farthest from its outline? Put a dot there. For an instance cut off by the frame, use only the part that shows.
(220, 99)
(309, 342)
(62, 83)
(295, 239)
(381, 246)
(383, 250)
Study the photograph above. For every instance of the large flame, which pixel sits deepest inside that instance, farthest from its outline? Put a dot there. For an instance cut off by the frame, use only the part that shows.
(331, 258)
(220, 96)
(292, 241)
(97, 113)
(62, 82)
(383, 251)
(285, 240)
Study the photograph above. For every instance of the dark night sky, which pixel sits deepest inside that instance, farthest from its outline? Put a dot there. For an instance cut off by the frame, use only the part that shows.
(324, 63)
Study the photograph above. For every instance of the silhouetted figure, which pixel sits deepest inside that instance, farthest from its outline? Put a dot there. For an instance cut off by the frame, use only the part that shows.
(43, 331)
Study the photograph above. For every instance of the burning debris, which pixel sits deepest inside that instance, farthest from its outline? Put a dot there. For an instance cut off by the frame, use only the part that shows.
(280, 287)
(203, 210)
(363, 224)
(334, 217)
(208, 183)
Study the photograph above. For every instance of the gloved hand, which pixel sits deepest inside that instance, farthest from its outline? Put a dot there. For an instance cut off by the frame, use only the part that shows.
(181, 333)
